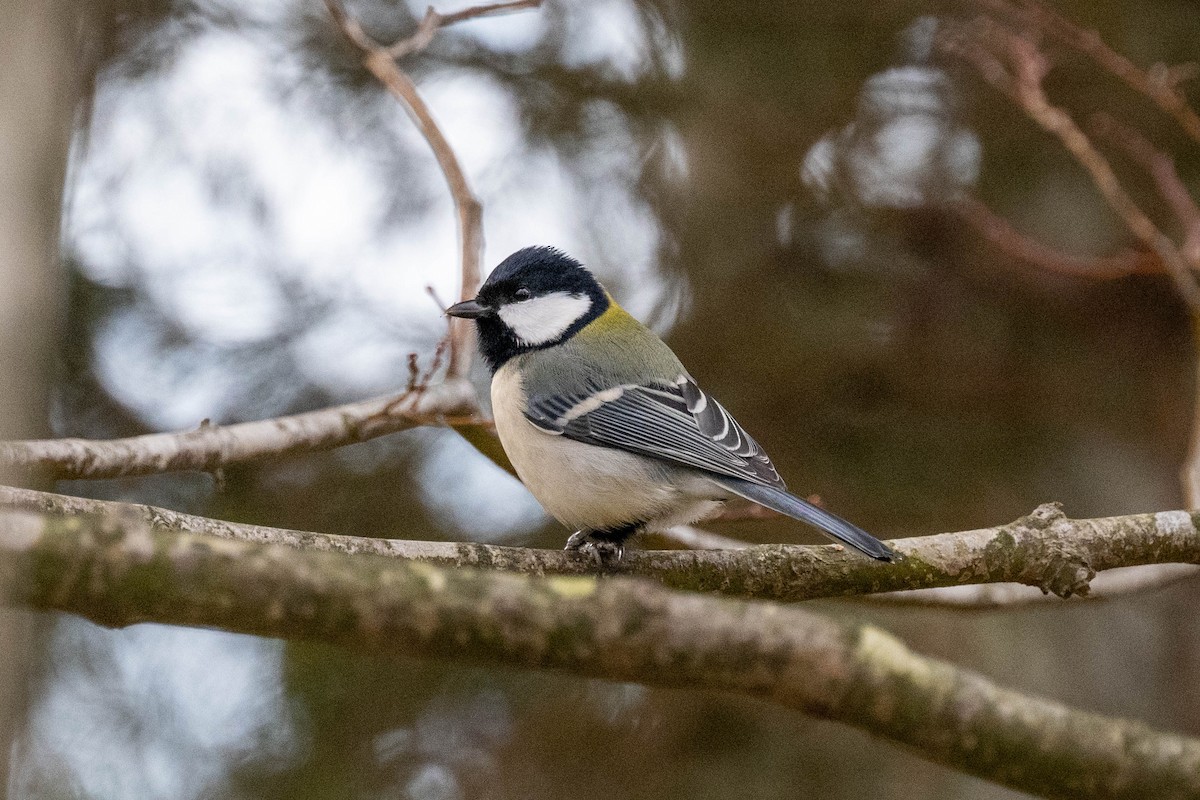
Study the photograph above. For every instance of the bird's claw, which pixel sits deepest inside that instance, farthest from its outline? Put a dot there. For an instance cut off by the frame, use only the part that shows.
(604, 553)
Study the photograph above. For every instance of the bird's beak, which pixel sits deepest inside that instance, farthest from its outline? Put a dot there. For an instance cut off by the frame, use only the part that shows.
(468, 309)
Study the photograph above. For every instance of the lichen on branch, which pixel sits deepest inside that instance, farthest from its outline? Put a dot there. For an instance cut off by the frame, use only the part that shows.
(1044, 549)
(118, 570)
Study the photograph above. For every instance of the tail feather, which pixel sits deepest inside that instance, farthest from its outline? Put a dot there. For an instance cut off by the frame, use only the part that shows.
(784, 503)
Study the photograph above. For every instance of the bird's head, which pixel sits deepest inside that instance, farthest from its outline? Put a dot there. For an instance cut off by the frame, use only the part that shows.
(536, 298)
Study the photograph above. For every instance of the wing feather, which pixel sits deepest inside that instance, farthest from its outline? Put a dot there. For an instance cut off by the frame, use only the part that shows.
(673, 421)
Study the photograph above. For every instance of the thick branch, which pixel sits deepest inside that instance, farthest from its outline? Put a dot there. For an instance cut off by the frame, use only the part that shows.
(121, 572)
(213, 446)
(1045, 550)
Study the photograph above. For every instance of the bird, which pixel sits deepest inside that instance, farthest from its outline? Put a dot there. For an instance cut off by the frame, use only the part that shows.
(603, 423)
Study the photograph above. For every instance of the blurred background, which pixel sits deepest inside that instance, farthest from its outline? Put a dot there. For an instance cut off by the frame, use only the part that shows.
(248, 226)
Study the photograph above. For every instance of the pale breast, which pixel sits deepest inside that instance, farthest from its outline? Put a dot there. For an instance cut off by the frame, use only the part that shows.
(584, 486)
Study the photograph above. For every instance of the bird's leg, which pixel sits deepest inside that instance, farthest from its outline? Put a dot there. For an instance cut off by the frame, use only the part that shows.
(576, 540)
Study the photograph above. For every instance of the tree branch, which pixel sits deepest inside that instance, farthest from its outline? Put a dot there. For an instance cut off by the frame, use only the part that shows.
(381, 62)
(1014, 65)
(1160, 84)
(1044, 549)
(1161, 169)
(452, 402)
(1005, 236)
(1002, 48)
(118, 572)
(1117, 583)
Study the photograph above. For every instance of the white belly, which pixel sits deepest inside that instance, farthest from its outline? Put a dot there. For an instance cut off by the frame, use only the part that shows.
(595, 488)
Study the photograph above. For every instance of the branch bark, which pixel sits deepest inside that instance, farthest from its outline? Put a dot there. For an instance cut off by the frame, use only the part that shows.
(1044, 549)
(120, 571)
(214, 446)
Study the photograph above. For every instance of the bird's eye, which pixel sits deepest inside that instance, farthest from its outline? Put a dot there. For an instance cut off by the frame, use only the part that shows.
(522, 294)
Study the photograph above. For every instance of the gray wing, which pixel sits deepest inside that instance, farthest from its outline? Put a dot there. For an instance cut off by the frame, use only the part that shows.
(672, 421)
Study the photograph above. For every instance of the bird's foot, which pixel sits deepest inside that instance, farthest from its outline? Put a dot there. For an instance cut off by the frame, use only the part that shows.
(602, 551)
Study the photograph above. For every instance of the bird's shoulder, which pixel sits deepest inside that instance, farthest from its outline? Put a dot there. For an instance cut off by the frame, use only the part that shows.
(612, 350)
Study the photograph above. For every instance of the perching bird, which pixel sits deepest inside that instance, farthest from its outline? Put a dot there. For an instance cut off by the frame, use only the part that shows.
(601, 420)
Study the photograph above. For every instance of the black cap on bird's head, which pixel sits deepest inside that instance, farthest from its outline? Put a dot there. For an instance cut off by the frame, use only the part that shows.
(536, 298)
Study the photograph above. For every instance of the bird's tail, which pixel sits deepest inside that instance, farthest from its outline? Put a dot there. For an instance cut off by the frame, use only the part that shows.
(784, 503)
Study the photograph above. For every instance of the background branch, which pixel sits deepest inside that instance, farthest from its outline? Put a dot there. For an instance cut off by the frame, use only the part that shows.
(381, 62)
(1161, 169)
(1160, 84)
(1044, 549)
(1004, 49)
(119, 572)
(1114, 584)
(1005, 236)
(1014, 65)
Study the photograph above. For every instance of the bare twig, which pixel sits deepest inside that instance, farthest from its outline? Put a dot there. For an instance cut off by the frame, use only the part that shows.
(617, 629)
(433, 21)
(454, 402)
(1161, 169)
(1000, 232)
(1012, 62)
(380, 60)
(1014, 65)
(1160, 84)
(1044, 549)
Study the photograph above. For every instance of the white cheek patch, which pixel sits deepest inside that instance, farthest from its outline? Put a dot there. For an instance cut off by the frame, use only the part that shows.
(544, 319)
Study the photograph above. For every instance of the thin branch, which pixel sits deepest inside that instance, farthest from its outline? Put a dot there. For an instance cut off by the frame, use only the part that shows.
(1012, 63)
(1160, 84)
(433, 21)
(617, 629)
(1189, 473)
(1044, 549)
(698, 539)
(1005, 236)
(380, 60)
(1119, 583)
(1015, 66)
(1161, 169)
(452, 402)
